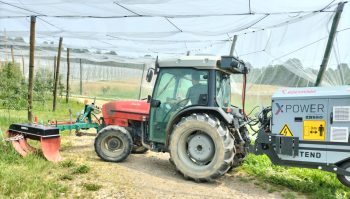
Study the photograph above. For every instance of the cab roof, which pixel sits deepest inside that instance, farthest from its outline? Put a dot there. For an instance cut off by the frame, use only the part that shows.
(199, 62)
(227, 64)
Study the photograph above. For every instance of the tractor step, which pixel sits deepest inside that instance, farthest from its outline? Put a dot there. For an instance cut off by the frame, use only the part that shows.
(48, 137)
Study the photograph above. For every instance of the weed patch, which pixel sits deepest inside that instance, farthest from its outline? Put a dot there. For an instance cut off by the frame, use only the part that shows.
(82, 169)
(92, 187)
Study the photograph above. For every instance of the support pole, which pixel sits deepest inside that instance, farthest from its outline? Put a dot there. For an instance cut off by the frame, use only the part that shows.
(141, 82)
(31, 68)
(81, 78)
(68, 74)
(233, 45)
(57, 75)
(54, 68)
(12, 56)
(330, 43)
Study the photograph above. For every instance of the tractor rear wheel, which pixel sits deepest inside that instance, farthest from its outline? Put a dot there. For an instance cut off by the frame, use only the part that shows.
(201, 148)
(113, 144)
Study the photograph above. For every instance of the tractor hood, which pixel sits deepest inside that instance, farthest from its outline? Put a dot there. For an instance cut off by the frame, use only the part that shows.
(140, 107)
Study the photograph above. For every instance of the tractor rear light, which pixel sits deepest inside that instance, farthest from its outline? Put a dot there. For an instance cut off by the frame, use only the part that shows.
(228, 110)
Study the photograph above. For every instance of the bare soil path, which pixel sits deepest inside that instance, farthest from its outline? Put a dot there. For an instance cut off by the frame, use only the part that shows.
(151, 175)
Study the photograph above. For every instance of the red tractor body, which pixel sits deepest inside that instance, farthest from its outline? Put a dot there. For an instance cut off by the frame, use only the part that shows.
(121, 112)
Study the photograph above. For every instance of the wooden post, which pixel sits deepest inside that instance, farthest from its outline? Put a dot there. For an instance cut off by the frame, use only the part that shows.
(81, 78)
(12, 56)
(329, 43)
(57, 75)
(68, 73)
(141, 82)
(54, 68)
(31, 68)
(233, 45)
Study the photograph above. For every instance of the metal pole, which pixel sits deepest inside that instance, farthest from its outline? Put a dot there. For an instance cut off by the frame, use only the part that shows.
(143, 72)
(233, 45)
(330, 43)
(81, 78)
(68, 73)
(31, 68)
(57, 75)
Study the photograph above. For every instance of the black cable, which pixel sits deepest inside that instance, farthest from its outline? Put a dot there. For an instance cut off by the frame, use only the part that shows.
(253, 110)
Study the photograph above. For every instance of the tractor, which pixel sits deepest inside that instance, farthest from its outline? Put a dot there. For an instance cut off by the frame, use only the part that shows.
(188, 115)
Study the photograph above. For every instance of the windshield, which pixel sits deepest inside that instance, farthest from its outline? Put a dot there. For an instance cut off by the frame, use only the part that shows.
(223, 89)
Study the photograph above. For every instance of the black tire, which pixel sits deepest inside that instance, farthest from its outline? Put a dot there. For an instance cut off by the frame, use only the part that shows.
(201, 148)
(113, 144)
(139, 149)
(345, 180)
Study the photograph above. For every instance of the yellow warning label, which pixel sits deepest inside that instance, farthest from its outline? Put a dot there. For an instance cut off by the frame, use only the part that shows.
(314, 130)
(286, 131)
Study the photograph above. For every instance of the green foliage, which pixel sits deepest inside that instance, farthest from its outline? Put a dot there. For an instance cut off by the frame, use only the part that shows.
(318, 184)
(81, 169)
(13, 92)
(43, 85)
(92, 187)
(67, 164)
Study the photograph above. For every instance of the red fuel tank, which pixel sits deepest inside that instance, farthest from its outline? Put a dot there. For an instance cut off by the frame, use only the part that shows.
(121, 111)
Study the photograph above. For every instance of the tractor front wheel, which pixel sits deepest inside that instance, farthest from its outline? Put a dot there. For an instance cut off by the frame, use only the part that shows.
(201, 148)
(113, 144)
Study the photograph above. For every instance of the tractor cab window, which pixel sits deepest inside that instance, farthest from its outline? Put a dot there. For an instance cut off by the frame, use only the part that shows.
(223, 89)
(176, 89)
(186, 84)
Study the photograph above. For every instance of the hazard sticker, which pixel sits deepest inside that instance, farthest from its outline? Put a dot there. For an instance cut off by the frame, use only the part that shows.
(286, 131)
(314, 130)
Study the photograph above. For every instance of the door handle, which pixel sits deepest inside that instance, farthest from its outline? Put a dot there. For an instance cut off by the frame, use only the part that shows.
(331, 118)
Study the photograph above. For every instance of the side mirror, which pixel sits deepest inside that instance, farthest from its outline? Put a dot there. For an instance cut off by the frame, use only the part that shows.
(149, 75)
(155, 103)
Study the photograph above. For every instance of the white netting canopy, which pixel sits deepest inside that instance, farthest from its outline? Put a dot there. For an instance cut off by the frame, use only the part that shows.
(283, 41)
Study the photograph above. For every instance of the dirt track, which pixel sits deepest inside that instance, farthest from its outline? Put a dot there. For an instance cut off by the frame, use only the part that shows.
(151, 175)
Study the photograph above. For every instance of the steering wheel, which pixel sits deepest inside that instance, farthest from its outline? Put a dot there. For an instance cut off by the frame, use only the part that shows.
(175, 106)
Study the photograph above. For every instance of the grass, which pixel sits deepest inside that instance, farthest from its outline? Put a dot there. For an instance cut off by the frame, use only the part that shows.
(92, 186)
(82, 169)
(33, 176)
(316, 184)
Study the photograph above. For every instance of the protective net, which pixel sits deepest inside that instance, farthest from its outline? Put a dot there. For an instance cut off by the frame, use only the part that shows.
(114, 42)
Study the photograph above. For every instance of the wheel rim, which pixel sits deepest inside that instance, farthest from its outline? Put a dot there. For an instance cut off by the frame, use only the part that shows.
(200, 148)
(112, 146)
(347, 177)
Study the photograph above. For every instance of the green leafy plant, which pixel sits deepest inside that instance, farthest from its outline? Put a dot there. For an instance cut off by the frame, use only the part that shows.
(13, 94)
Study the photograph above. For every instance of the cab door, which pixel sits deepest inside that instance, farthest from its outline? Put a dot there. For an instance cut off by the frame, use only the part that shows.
(165, 89)
(174, 90)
